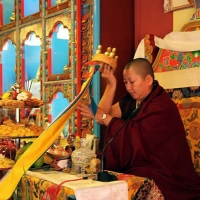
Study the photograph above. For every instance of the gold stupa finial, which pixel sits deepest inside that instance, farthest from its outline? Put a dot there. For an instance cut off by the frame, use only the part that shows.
(98, 51)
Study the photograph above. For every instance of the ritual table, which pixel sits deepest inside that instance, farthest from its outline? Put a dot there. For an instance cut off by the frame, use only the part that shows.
(53, 185)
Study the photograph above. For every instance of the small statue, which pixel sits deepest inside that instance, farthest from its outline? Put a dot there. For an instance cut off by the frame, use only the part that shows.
(66, 69)
(16, 87)
(12, 17)
(94, 166)
(77, 142)
(15, 90)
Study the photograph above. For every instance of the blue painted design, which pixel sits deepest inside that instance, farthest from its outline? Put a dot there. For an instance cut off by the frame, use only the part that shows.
(59, 103)
(32, 60)
(8, 8)
(96, 36)
(85, 9)
(180, 57)
(93, 104)
(8, 66)
(31, 7)
(53, 2)
(60, 53)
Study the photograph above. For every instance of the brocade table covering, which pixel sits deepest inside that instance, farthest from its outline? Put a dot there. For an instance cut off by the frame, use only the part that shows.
(55, 185)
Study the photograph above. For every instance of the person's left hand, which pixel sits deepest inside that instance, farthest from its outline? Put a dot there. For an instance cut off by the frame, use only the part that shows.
(85, 110)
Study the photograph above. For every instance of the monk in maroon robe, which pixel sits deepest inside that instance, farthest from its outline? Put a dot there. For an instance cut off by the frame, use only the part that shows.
(152, 141)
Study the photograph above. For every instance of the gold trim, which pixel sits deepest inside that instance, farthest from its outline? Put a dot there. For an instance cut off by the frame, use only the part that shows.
(180, 7)
(105, 59)
(191, 3)
(148, 47)
(155, 64)
(190, 25)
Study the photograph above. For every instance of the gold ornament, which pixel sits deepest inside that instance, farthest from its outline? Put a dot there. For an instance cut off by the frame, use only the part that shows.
(108, 57)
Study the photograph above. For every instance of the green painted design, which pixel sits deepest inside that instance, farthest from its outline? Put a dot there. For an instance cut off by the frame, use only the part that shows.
(196, 53)
(168, 67)
(189, 58)
(182, 66)
(173, 56)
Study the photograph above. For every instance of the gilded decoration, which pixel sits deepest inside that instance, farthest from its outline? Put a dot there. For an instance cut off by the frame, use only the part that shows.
(171, 5)
(192, 26)
(11, 36)
(65, 19)
(51, 89)
(191, 3)
(86, 42)
(195, 130)
(86, 55)
(7, 26)
(150, 48)
(60, 5)
(37, 28)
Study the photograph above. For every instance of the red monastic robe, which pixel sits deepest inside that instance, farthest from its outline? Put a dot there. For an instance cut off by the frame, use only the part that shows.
(153, 144)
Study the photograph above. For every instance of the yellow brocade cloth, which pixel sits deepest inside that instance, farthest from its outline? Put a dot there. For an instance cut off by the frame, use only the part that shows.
(54, 185)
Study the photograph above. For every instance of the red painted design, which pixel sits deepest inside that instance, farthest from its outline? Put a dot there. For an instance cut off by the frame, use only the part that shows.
(23, 72)
(1, 92)
(49, 3)
(198, 14)
(1, 14)
(50, 192)
(79, 46)
(22, 8)
(49, 63)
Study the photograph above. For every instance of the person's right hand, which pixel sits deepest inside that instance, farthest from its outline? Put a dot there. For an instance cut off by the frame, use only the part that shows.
(85, 110)
(107, 73)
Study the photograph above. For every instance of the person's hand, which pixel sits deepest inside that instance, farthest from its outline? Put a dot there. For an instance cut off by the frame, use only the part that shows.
(108, 74)
(85, 110)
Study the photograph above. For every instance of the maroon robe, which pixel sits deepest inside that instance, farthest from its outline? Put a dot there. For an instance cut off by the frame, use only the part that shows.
(153, 144)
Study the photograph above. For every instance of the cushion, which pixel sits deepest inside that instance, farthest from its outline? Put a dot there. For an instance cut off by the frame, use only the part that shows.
(189, 109)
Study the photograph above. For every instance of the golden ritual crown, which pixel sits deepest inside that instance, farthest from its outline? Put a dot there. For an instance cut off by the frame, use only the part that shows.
(108, 57)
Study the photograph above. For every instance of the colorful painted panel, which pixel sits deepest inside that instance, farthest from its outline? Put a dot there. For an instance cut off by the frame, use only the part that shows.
(168, 60)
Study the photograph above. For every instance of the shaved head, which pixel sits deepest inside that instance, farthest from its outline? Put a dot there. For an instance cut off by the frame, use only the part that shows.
(141, 66)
